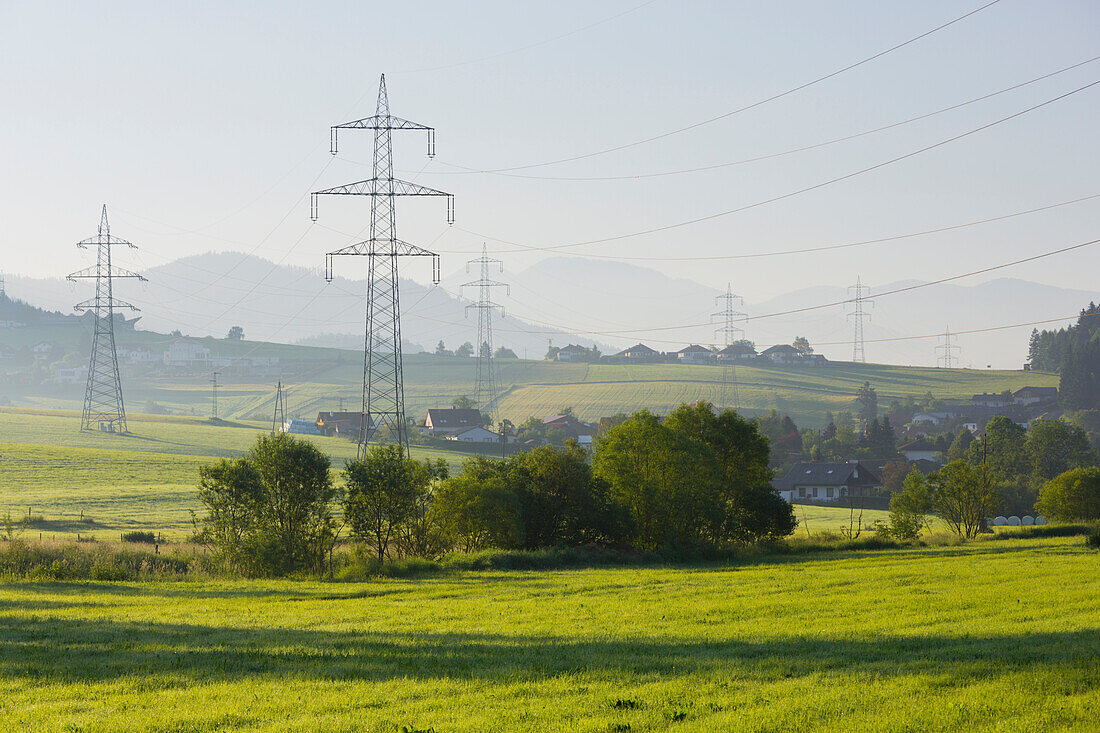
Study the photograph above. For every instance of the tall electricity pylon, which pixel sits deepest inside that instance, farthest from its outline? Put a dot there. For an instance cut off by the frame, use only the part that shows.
(104, 408)
(214, 395)
(487, 388)
(859, 291)
(383, 382)
(730, 333)
(947, 358)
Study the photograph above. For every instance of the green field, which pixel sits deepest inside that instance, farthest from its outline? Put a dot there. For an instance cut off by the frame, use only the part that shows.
(318, 379)
(98, 485)
(994, 635)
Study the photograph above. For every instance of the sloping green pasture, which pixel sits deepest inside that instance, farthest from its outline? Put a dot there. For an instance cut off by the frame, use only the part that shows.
(993, 635)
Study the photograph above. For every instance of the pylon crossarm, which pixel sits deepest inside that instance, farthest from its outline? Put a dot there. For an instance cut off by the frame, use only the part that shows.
(381, 122)
(93, 304)
(381, 187)
(104, 239)
(93, 272)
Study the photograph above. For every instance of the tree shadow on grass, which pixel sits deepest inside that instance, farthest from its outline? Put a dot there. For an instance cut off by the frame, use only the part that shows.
(95, 650)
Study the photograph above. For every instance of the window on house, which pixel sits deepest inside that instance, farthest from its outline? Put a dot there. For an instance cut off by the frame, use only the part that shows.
(829, 492)
(801, 492)
(815, 492)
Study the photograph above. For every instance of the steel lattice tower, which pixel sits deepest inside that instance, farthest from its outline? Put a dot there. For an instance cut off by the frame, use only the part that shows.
(104, 408)
(278, 419)
(487, 388)
(730, 333)
(383, 383)
(947, 357)
(859, 297)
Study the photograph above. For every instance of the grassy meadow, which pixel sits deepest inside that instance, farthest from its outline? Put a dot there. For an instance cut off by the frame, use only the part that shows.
(992, 635)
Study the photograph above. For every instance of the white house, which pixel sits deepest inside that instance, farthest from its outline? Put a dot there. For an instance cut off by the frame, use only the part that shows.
(75, 375)
(694, 354)
(186, 352)
(475, 435)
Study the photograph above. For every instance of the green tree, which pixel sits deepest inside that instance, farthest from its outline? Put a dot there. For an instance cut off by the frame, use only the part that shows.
(867, 398)
(1072, 496)
(465, 351)
(442, 350)
(960, 446)
(668, 482)
(463, 402)
(1003, 449)
(271, 511)
(752, 509)
(802, 345)
(236, 333)
(963, 496)
(385, 491)
(477, 509)
(910, 507)
(1054, 447)
(504, 353)
(561, 501)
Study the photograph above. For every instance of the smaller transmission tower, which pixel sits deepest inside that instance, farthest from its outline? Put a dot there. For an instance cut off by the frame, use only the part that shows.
(278, 420)
(3, 292)
(487, 387)
(859, 298)
(730, 333)
(214, 396)
(947, 358)
(104, 408)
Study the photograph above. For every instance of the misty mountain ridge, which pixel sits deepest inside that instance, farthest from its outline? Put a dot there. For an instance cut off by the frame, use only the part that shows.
(615, 302)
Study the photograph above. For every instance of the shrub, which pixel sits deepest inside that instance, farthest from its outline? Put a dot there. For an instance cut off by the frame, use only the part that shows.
(270, 513)
(147, 538)
(1093, 541)
(1072, 496)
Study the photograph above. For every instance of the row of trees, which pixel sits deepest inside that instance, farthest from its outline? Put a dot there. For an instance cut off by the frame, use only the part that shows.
(698, 479)
(964, 496)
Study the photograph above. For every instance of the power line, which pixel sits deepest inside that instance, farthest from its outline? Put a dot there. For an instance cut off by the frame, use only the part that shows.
(791, 194)
(804, 309)
(104, 407)
(747, 107)
(769, 156)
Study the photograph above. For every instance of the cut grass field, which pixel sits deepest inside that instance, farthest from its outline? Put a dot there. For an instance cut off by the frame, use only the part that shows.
(99, 485)
(319, 379)
(992, 635)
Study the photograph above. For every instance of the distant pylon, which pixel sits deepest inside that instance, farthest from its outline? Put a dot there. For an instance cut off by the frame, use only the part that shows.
(214, 396)
(278, 419)
(859, 298)
(730, 333)
(104, 408)
(383, 381)
(947, 358)
(487, 388)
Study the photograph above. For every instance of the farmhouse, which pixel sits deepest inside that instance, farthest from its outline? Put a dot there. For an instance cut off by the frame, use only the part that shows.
(300, 427)
(919, 450)
(738, 352)
(346, 424)
(990, 400)
(582, 432)
(187, 353)
(444, 422)
(782, 354)
(694, 354)
(638, 353)
(828, 481)
(572, 352)
(475, 435)
(1035, 395)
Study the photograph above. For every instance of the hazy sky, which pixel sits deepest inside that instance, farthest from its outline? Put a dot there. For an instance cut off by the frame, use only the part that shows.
(203, 125)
